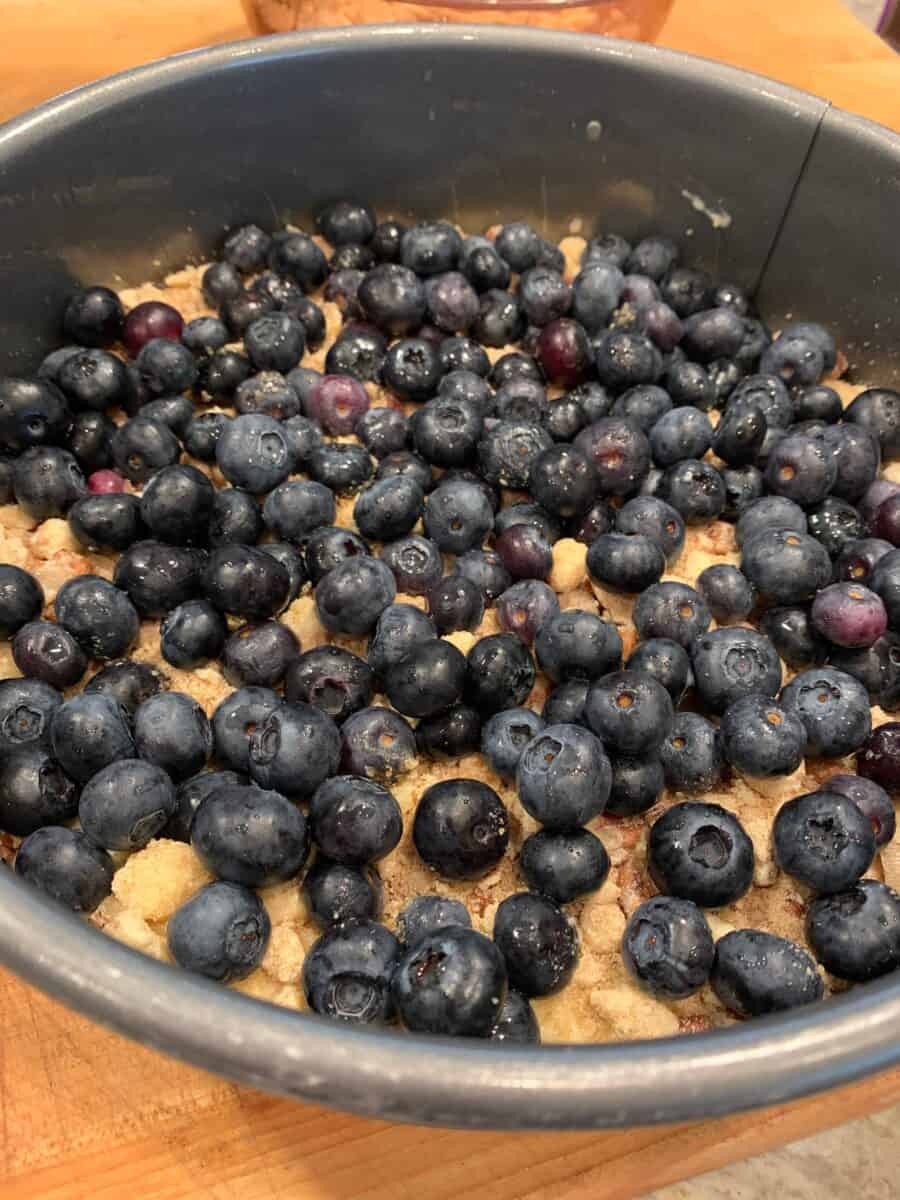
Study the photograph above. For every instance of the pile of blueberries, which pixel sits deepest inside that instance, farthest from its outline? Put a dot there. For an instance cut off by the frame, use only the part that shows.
(637, 350)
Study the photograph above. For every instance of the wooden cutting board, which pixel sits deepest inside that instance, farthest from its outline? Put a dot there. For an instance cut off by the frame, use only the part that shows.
(86, 1115)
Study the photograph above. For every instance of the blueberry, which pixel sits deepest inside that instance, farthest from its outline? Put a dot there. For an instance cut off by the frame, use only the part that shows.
(94, 379)
(636, 785)
(235, 720)
(27, 709)
(743, 486)
(106, 523)
(457, 517)
(574, 644)
(871, 800)
(756, 973)
(94, 317)
(687, 290)
(87, 733)
(269, 394)
(508, 451)
(879, 759)
(192, 634)
(190, 795)
(795, 358)
(328, 546)
(654, 257)
(354, 821)
(833, 706)
(404, 462)
(877, 667)
(416, 563)
(856, 454)
(246, 248)
(393, 298)
(564, 865)
(174, 411)
(878, 411)
(303, 437)
(340, 466)
(382, 430)
(531, 514)
(671, 610)
(785, 567)
(596, 292)
(337, 894)
(619, 452)
(354, 593)
(295, 749)
(46, 482)
(848, 614)
(689, 383)
(450, 734)
(856, 934)
(221, 932)
(452, 301)
(563, 481)
(401, 628)
(377, 743)
(223, 372)
(655, 519)
(34, 792)
(90, 440)
(66, 866)
(696, 489)
(626, 359)
(221, 281)
(525, 607)
(21, 599)
(462, 354)
(544, 294)
(761, 739)
(331, 679)
(358, 351)
(700, 852)
(154, 577)
(733, 662)
(538, 943)
(631, 712)
(128, 682)
(250, 836)
(165, 367)
(253, 453)
(682, 433)
(739, 435)
(824, 840)
(259, 655)
(177, 504)
(461, 828)
(44, 650)
(428, 680)
(297, 257)
(424, 916)
(483, 266)
(729, 594)
(500, 318)
(801, 469)
(455, 603)
(885, 581)
(347, 973)
(99, 616)
(452, 982)
(500, 673)
(599, 518)
(296, 509)
(171, 730)
(125, 804)
(386, 239)
(666, 661)
(242, 309)
(430, 248)
(625, 562)
(387, 509)
(713, 333)
(565, 703)
(608, 247)
(293, 562)
(668, 947)
(505, 735)
(767, 514)
(691, 755)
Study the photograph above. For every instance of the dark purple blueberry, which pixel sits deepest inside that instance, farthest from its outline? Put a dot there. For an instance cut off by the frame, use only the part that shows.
(462, 354)
(485, 568)
(34, 792)
(877, 667)
(879, 758)
(259, 655)
(654, 519)
(382, 430)
(527, 513)
(666, 661)
(523, 608)
(538, 942)
(450, 734)
(66, 866)
(564, 352)
(686, 290)
(756, 973)
(500, 319)
(630, 711)
(358, 351)
(740, 433)
(856, 934)
(886, 522)
(415, 562)
(794, 358)
(619, 452)
(848, 614)
(148, 321)
(507, 451)
(455, 603)
(352, 596)
(342, 466)
(525, 553)
(696, 489)
(625, 562)
(458, 516)
(671, 610)
(377, 743)
(872, 801)
(599, 518)
(328, 546)
(835, 523)
(689, 383)
(761, 739)
(564, 865)
(856, 453)
(461, 828)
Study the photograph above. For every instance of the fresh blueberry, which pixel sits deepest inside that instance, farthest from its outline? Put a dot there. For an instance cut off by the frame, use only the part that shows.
(500, 673)
(297, 257)
(416, 563)
(833, 706)
(236, 719)
(761, 739)
(462, 354)
(295, 749)
(768, 514)
(461, 828)
(253, 453)
(154, 577)
(44, 650)
(619, 452)
(599, 518)
(743, 486)
(637, 784)
(700, 852)
(242, 309)
(347, 973)
(856, 454)
(128, 682)
(629, 711)
(245, 582)
(337, 893)
(689, 383)
(655, 519)
(222, 373)
(824, 840)
(563, 777)
(802, 469)
(177, 504)
(428, 680)
(856, 934)
(90, 440)
(713, 333)
(67, 866)
(221, 281)
(457, 517)
(626, 359)
(878, 411)
(786, 567)
(354, 593)
(267, 393)
(696, 489)
(250, 836)
(574, 644)
(296, 509)
(538, 943)
(328, 546)
(192, 634)
(668, 947)
(691, 755)
(500, 318)
(259, 655)
(94, 379)
(21, 599)
(393, 298)
(190, 795)
(358, 351)
(525, 607)
(221, 932)
(729, 594)
(377, 743)
(654, 257)
(424, 916)
(564, 865)
(106, 523)
(27, 707)
(607, 247)
(331, 679)
(430, 248)
(382, 430)
(871, 800)
(87, 733)
(354, 821)
(528, 513)
(794, 357)
(246, 248)
(94, 317)
(666, 661)
(34, 792)
(682, 433)
(293, 562)
(849, 615)
(99, 616)
(125, 804)
(343, 467)
(879, 759)
(346, 222)
(452, 982)
(171, 730)
(455, 603)
(47, 481)
(885, 581)
(505, 735)
(625, 562)
(687, 290)
(671, 610)
(739, 435)
(877, 667)
(733, 662)
(450, 734)
(756, 973)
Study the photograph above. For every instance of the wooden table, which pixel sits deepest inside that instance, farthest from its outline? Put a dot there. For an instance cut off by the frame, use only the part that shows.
(85, 1115)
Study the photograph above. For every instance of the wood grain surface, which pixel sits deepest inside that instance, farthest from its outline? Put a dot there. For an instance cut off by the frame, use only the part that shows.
(86, 1115)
